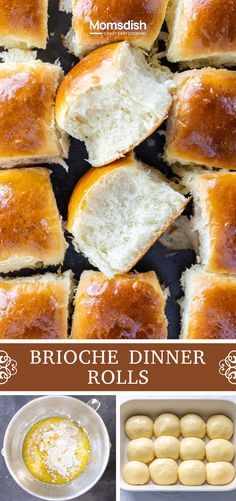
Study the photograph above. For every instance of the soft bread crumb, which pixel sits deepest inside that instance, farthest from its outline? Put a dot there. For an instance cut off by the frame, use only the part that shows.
(122, 215)
(119, 109)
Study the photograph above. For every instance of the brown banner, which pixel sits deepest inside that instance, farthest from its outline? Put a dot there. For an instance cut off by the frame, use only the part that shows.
(117, 367)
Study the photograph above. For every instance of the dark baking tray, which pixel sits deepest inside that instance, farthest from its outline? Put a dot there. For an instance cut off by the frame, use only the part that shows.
(168, 265)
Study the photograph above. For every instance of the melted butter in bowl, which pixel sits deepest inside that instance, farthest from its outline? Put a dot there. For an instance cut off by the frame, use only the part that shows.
(56, 450)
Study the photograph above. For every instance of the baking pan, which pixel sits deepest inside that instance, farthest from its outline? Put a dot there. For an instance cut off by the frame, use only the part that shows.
(152, 407)
(167, 264)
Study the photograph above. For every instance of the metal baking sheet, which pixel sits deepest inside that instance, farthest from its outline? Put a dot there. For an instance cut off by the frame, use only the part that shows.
(167, 264)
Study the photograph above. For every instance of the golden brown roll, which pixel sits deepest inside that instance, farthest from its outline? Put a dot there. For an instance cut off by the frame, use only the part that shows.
(112, 100)
(28, 133)
(35, 307)
(215, 219)
(23, 24)
(116, 213)
(30, 226)
(101, 22)
(202, 123)
(209, 306)
(128, 306)
(202, 30)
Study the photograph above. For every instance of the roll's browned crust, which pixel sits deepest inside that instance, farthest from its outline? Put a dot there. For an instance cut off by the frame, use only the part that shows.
(217, 198)
(34, 308)
(202, 123)
(209, 306)
(202, 29)
(23, 24)
(87, 14)
(28, 132)
(30, 226)
(128, 306)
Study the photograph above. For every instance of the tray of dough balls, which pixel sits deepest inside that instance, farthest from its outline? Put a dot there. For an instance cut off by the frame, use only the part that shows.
(178, 445)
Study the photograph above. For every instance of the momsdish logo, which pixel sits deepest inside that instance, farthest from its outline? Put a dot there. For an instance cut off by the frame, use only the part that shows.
(8, 367)
(228, 367)
(118, 28)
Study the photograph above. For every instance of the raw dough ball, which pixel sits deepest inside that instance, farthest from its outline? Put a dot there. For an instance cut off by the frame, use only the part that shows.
(220, 426)
(167, 447)
(192, 425)
(192, 472)
(164, 471)
(220, 473)
(192, 448)
(141, 449)
(167, 424)
(219, 449)
(139, 427)
(135, 473)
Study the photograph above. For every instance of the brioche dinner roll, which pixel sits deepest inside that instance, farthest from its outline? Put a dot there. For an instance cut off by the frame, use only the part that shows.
(192, 448)
(128, 306)
(209, 306)
(192, 425)
(141, 449)
(220, 426)
(28, 132)
(164, 471)
(136, 473)
(202, 31)
(35, 307)
(167, 424)
(219, 449)
(23, 24)
(201, 126)
(117, 213)
(95, 23)
(167, 447)
(112, 100)
(139, 427)
(212, 191)
(220, 473)
(30, 226)
(192, 472)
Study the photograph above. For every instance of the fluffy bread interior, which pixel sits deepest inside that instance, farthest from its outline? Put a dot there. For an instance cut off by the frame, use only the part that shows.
(122, 215)
(114, 116)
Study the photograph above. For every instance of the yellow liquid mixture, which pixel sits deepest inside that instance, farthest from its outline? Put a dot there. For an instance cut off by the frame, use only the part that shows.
(56, 450)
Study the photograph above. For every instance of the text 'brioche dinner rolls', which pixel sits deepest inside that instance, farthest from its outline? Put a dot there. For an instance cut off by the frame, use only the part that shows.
(202, 30)
(112, 100)
(136, 473)
(30, 226)
(192, 448)
(219, 449)
(192, 472)
(128, 306)
(220, 426)
(164, 471)
(35, 307)
(209, 305)
(139, 427)
(97, 23)
(220, 473)
(215, 218)
(23, 24)
(192, 425)
(202, 124)
(167, 447)
(28, 132)
(167, 424)
(117, 212)
(141, 449)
